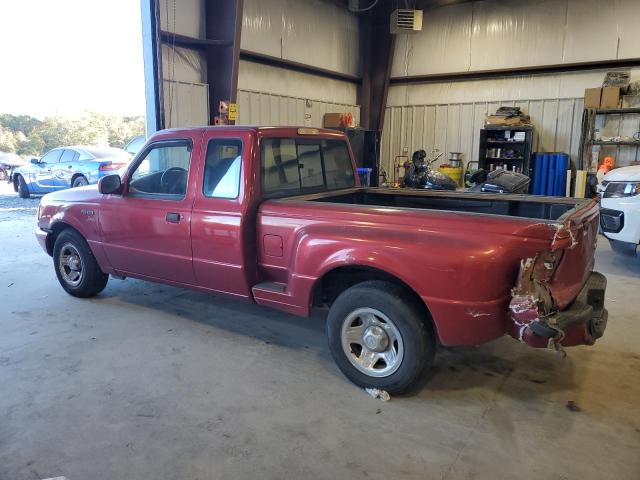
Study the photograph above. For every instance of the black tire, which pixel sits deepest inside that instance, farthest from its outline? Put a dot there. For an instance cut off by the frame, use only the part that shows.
(93, 280)
(23, 190)
(79, 181)
(408, 317)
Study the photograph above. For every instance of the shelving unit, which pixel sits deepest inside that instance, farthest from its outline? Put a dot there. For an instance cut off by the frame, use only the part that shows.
(588, 133)
(496, 142)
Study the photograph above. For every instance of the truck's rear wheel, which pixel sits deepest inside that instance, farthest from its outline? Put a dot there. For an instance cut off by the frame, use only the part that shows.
(23, 190)
(76, 267)
(378, 337)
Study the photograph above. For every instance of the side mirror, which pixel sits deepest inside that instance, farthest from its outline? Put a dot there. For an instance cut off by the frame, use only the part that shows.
(111, 184)
(35, 161)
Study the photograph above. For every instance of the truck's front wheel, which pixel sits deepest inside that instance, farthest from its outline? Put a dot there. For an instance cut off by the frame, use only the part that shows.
(378, 337)
(76, 268)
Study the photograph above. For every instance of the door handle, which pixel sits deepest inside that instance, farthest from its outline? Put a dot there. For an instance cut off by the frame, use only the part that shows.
(173, 217)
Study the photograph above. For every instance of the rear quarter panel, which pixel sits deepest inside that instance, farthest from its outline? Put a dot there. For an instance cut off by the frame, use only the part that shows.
(462, 265)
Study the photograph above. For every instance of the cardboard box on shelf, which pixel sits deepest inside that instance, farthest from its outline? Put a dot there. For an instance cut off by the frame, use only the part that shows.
(332, 120)
(499, 120)
(592, 97)
(610, 97)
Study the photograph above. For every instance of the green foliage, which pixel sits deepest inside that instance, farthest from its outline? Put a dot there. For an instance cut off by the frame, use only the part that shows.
(29, 137)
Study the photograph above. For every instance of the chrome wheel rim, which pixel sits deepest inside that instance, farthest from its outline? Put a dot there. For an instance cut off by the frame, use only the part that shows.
(80, 182)
(372, 342)
(70, 265)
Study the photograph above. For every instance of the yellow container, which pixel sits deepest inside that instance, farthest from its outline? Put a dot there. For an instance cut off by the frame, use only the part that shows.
(454, 172)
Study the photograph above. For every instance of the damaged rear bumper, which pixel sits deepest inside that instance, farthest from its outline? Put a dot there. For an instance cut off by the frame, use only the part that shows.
(581, 323)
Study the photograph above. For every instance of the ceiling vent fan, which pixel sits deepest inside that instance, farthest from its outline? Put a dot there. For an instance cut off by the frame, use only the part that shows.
(406, 21)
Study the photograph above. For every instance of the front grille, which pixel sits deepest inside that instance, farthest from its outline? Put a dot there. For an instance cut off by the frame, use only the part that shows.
(611, 221)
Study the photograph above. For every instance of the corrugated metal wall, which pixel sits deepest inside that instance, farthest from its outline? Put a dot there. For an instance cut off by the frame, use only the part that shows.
(312, 32)
(260, 108)
(185, 104)
(184, 71)
(281, 28)
(495, 34)
(266, 95)
(455, 127)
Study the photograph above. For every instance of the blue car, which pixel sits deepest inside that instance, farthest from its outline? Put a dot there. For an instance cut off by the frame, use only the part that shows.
(67, 167)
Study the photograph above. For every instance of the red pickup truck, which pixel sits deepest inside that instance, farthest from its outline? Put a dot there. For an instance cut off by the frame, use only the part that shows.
(276, 216)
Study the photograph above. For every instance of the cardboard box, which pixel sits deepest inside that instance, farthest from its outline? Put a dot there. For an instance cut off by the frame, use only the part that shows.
(592, 97)
(332, 120)
(610, 97)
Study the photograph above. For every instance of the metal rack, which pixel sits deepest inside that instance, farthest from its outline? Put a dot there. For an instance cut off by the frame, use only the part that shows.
(588, 133)
(491, 138)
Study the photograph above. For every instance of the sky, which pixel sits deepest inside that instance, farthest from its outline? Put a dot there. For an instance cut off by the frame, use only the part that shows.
(62, 57)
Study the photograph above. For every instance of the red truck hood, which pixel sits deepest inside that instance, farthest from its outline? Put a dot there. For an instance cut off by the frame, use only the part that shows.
(88, 193)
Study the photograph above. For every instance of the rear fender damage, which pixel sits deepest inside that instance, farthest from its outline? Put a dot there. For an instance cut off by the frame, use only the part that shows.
(532, 304)
(535, 318)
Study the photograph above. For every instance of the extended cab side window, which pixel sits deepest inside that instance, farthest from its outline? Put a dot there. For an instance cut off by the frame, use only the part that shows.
(294, 166)
(222, 168)
(163, 171)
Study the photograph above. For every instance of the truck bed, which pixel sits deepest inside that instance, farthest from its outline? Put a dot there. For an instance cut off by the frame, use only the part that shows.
(525, 206)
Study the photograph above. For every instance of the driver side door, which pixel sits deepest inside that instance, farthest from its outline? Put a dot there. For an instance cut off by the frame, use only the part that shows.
(44, 171)
(146, 231)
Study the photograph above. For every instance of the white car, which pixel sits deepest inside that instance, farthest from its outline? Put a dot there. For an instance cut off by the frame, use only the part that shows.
(620, 208)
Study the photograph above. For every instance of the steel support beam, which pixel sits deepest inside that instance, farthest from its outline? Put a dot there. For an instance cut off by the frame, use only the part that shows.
(152, 58)
(223, 21)
(377, 46)
(517, 72)
(296, 66)
(190, 42)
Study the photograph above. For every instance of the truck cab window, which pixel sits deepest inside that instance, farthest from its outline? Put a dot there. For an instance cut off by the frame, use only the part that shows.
(293, 166)
(222, 168)
(279, 166)
(337, 165)
(310, 165)
(163, 171)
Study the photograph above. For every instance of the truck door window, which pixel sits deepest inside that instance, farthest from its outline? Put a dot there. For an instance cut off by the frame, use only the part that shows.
(162, 171)
(222, 168)
(293, 166)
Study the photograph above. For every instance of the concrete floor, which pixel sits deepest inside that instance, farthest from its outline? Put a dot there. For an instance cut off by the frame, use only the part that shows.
(153, 382)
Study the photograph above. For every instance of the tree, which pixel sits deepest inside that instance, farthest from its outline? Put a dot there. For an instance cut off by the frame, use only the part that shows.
(7, 140)
(28, 136)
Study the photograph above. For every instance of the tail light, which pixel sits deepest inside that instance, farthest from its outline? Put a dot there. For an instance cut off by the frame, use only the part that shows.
(111, 167)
